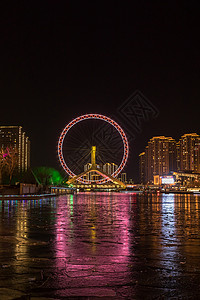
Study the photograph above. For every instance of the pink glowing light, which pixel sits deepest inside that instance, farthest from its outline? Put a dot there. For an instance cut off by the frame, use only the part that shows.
(99, 117)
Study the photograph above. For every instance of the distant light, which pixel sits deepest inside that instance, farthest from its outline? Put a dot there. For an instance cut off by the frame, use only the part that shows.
(167, 180)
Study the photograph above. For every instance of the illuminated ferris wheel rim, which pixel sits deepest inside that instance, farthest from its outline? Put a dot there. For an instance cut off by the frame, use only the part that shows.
(87, 117)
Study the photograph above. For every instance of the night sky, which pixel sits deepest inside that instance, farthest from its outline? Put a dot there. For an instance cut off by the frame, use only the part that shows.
(62, 59)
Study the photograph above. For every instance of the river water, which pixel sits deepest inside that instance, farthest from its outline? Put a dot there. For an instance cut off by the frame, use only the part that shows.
(108, 245)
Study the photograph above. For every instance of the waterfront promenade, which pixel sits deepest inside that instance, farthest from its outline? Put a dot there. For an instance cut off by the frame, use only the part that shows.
(101, 246)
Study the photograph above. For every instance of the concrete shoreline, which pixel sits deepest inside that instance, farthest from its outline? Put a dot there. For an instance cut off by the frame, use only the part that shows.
(26, 196)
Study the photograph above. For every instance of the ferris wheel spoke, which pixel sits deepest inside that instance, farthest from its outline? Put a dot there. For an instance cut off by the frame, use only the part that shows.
(79, 162)
(77, 138)
(100, 158)
(74, 148)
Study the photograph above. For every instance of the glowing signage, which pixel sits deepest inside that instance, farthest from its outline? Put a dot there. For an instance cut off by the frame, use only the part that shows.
(167, 180)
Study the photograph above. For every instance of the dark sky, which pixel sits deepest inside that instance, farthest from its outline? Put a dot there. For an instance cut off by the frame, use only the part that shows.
(62, 59)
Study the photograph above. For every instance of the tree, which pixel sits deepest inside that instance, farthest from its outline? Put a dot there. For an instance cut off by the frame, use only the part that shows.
(3, 155)
(47, 176)
(11, 161)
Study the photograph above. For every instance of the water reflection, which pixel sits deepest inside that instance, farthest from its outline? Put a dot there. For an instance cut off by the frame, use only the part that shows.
(107, 244)
(92, 237)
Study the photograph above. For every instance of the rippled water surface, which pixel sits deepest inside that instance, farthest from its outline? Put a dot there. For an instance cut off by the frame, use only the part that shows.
(108, 245)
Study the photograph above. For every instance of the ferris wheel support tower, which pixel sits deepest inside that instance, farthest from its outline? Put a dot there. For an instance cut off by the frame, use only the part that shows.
(94, 169)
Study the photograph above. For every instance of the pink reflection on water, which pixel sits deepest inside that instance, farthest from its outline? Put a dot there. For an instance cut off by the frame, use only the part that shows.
(92, 236)
(62, 232)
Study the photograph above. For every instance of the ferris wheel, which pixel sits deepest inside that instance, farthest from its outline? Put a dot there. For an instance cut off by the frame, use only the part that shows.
(84, 132)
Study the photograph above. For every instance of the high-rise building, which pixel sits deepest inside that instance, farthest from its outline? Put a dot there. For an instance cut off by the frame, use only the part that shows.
(178, 156)
(159, 157)
(110, 168)
(87, 167)
(123, 177)
(15, 137)
(142, 167)
(107, 168)
(190, 152)
(164, 155)
(114, 167)
(148, 161)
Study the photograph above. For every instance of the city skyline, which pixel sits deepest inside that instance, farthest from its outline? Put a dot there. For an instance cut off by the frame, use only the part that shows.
(179, 161)
(59, 63)
(164, 155)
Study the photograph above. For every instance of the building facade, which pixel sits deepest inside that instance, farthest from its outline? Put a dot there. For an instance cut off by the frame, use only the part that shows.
(107, 168)
(123, 177)
(190, 152)
(142, 167)
(114, 167)
(92, 176)
(164, 155)
(15, 137)
(159, 158)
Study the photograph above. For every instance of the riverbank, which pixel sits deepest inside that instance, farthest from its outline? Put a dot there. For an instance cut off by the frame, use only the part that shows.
(26, 197)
